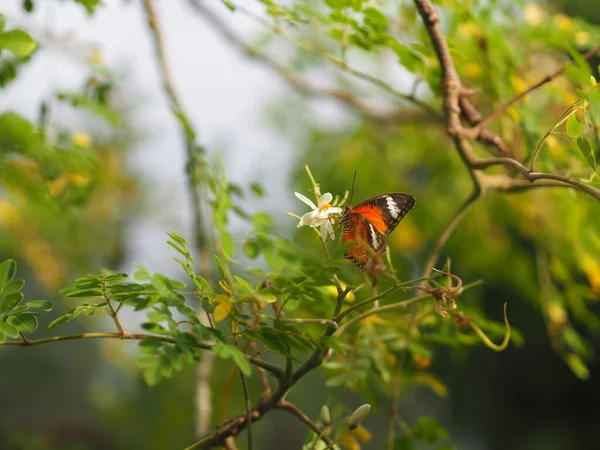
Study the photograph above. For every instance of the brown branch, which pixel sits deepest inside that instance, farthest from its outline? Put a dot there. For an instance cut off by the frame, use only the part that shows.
(474, 117)
(271, 368)
(482, 163)
(295, 411)
(476, 130)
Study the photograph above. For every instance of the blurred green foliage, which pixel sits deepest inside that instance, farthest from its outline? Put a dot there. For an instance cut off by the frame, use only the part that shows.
(270, 301)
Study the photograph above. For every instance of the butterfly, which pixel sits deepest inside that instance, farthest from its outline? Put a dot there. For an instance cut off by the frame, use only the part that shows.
(366, 223)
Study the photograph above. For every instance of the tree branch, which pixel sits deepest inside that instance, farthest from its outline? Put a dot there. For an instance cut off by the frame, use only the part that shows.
(295, 411)
(271, 368)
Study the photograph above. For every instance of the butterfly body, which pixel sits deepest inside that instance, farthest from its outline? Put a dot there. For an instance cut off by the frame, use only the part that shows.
(367, 223)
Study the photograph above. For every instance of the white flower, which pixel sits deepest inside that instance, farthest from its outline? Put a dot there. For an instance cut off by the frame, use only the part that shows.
(319, 216)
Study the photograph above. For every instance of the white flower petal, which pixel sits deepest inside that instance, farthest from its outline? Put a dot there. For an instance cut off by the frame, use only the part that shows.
(324, 232)
(330, 231)
(334, 210)
(325, 198)
(307, 219)
(306, 200)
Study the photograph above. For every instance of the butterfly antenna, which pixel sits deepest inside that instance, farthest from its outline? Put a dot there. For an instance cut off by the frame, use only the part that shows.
(343, 197)
(352, 190)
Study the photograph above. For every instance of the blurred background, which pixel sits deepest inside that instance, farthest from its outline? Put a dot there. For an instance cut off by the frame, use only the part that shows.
(122, 185)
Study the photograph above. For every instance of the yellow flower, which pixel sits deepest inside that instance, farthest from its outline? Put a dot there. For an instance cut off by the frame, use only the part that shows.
(95, 57)
(224, 307)
(9, 216)
(467, 29)
(332, 292)
(591, 267)
(518, 83)
(362, 434)
(563, 22)
(78, 180)
(372, 321)
(351, 440)
(582, 37)
(431, 382)
(58, 185)
(81, 139)
(514, 114)
(534, 14)
(556, 313)
(473, 70)
(553, 146)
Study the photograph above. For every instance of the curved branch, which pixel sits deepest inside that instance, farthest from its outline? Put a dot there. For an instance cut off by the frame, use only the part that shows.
(483, 163)
(449, 229)
(295, 411)
(271, 368)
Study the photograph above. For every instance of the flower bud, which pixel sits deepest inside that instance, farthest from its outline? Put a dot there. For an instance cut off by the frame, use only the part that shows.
(358, 416)
(325, 416)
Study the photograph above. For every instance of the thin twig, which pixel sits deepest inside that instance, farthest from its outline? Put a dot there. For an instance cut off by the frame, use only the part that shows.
(339, 62)
(294, 410)
(248, 409)
(271, 368)
(476, 130)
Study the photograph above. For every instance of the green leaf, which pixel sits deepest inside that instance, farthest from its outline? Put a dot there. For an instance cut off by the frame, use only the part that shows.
(8, 269)
(429, 430)
(226, 351)
(112, 116)
(344, 378)
(586, 148)
(2, 22)
(257, 189)
(10, 301)
(18, 133)
(588, 119)
(575, 363)
(152, 374)
(12, 286)
(24, 322)
(83, 293)
(403, 443)
(141, 274)
(407, 57)
(88, 310)
(28, 6)
(574, 127)
(9, 330)
(251, 249)
(150, 346)
(19, 42)
(201, 284)
(89, 5)
(44, 305)
(221, 267)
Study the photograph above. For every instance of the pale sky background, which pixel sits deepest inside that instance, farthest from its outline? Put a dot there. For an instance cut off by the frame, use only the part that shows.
(221, 90)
